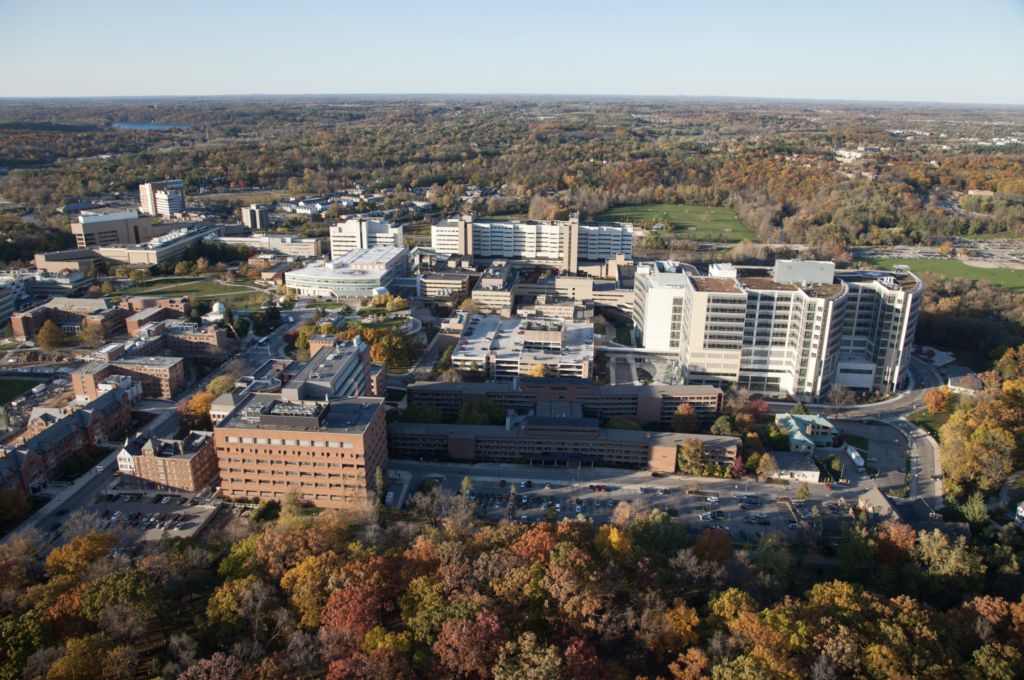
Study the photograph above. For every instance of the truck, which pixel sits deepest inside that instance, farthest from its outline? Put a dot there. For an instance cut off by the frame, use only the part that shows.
(389, 500)
(855, 456)
(39, 389)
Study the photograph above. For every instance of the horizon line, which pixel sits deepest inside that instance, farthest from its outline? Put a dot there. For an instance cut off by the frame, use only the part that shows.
(891, 102)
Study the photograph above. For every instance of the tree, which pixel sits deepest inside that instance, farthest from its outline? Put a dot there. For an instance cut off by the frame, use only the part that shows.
(470, 306)
(714, 545)
(92, 334)
(309, 586)
(75, 556)
(938, 400)
(803, 492)
(422, 413)
(467, 485)
(449, 376)
(195, 413)
(380, 485)
(527, 659)
(767, 468)
(221, 385)
(722, 426)
(122, 664)
(622, 423)
(14, 505)
(50, 336)
(350, 614)
(470, 647)
(397, 304)
(122, 271)
(83, 660)
(139, 275)
(107, 288)
(685, 419)
(482, 411)
(799, 409)
(974, 509)
(218, 667)
(538, 371)
(691, 456)
(133, 587)
(839, 397)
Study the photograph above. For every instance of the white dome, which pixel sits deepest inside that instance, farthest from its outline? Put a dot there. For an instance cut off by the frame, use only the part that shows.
(219, 307)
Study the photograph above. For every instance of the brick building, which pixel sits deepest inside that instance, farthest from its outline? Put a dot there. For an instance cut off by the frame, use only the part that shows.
(53, 437)
(180, 305)
(161, 377)
(378, 380)
(72, 315)
(643, 403)
(328, 449)
(147, 316)
(180, 338)
(169, 464)
(557, 435)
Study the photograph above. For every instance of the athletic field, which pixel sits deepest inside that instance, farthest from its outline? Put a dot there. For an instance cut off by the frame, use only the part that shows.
(951, 269)
(688, 221)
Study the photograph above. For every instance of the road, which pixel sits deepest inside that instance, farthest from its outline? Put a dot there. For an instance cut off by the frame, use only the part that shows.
(924, 452)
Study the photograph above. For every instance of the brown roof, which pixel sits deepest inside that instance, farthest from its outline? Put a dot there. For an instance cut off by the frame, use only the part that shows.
(715, 285)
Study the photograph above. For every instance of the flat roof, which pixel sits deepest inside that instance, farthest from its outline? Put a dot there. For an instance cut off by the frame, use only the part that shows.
(711, 284)
(350, 415)
(501, 337)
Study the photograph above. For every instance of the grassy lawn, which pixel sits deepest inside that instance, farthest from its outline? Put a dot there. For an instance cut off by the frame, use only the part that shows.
(930, 421)
(1012, 279)
(859, 442)
(255, 302)
(156, 283)
(687, 221)
(199, 288)
(395, 394)
(246, 198)
(10, 389)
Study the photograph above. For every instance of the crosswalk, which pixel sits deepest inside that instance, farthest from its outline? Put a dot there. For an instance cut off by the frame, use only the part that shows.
(890, 419)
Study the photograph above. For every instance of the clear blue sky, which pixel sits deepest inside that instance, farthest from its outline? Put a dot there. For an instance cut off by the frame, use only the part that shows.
(896, 50)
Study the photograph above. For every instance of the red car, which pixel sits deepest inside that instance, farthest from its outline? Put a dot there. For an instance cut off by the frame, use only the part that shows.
(501, 483)
(828, 486)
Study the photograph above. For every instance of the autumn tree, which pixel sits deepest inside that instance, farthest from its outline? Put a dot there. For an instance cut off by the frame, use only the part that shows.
(714, 545)
(839, 397)
(469, 647)
(803, 492)
(195, 413)
(938, 400)
(538, 371)
(92, 334)
(767, 468)
(50, 336)
(83, 659)
(527, 658)
(14, 505)
(221, 385)
(75, 556)
(350, 614)
(685, 419)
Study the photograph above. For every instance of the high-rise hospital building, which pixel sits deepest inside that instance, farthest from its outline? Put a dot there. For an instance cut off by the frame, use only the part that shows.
(798, 327)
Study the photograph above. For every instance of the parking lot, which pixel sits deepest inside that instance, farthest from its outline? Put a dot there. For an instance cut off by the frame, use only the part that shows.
(743, 509)
(137, 518)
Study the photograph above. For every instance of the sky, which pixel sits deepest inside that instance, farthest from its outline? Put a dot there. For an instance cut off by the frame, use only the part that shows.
(893, 50)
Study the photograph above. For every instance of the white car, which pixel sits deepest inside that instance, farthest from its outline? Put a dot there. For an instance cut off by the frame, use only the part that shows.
(116, 515)
(166, 500)
(760, 515)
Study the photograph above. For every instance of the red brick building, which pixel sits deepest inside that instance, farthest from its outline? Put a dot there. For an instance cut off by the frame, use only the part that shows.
(186, 465)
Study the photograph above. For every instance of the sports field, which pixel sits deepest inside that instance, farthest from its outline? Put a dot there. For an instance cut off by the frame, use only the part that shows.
(687, 221)
(211, 288)
(9, 389)
(1007, 278)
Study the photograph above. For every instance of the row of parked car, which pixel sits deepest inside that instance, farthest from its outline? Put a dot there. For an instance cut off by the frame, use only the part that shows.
(148, 521)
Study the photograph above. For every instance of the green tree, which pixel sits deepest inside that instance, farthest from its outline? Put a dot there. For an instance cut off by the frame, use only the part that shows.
(622, 423)
(974, 509)
(132, 586)
(107, 288)
(483, 411)
(722, 426)
(803, 492)
(467, 485)
(422, 413)
(685, 419)
(799, 409)
(691, 455)
(50, 336)
(83, 660)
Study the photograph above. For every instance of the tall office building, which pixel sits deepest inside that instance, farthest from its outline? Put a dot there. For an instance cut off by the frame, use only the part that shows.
(256, 217)
(797, 328)
(362, 233)
(566, 245)
(114, 227)
(162, 198)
